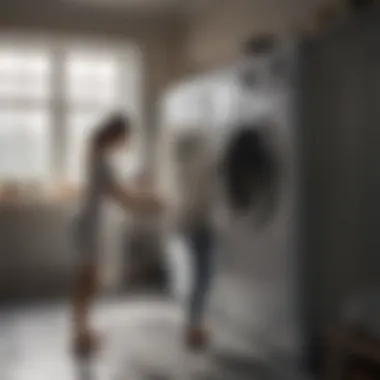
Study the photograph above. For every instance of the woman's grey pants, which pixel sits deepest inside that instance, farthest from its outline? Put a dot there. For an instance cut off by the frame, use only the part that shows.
(201, 247)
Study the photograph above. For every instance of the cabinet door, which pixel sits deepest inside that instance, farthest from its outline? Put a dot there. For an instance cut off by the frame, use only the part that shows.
(343, 180)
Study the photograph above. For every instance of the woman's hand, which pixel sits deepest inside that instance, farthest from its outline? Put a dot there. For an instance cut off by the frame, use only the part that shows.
(139, 200)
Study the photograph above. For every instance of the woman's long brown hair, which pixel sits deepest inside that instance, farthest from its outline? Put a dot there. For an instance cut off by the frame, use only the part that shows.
(111, 129)
(114, 127)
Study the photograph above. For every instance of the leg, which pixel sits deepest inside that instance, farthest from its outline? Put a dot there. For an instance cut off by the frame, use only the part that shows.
(84, 292)
(202, 275)
(201, 245)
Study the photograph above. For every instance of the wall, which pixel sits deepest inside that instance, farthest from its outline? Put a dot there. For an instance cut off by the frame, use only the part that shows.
(216, 36)
(38, 252)
(35, 257)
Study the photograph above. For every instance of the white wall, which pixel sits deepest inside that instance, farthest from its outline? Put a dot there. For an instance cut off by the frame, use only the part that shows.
(216, 36)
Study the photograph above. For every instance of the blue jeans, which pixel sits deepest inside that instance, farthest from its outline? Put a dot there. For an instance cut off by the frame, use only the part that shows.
(201, 247)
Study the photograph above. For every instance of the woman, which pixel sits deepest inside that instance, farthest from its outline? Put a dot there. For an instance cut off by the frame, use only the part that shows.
(111, 137)
(195, 175)
(249, 176)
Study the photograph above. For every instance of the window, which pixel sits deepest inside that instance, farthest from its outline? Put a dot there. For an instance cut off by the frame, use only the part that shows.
(91, 86)
(24, 113)
(24, 75)
(54, 95)
(92, 79)
(24, 143)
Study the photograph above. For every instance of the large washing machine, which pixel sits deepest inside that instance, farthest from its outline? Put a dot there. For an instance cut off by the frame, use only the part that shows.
(254, 292)
(282, 287)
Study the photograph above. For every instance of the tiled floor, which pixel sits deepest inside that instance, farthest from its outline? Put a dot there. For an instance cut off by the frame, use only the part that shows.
(142, 341)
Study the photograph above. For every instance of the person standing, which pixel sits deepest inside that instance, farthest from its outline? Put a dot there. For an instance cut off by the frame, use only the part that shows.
(195, 176)
(110, 138)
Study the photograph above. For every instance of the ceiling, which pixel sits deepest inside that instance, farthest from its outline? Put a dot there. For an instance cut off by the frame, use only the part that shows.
(148, 6)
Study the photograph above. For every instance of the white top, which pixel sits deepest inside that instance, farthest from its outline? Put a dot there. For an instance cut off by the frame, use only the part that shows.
(99, 182)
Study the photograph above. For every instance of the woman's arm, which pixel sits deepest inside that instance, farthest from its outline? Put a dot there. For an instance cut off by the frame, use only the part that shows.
(133, 199)
(137, 200)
